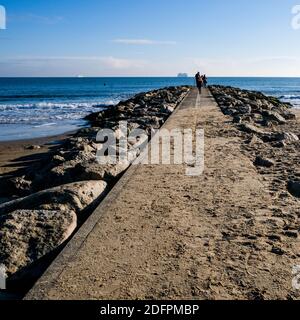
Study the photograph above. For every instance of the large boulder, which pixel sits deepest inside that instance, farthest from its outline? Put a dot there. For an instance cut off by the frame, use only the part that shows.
(287, 137)
(28, 235)
(287, 113)
(244, 109)
(274, 116)
(249, 128)
(71, 197)
(95, 171)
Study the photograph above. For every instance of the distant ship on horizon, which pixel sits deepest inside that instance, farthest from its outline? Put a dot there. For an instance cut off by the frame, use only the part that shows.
(182, 75)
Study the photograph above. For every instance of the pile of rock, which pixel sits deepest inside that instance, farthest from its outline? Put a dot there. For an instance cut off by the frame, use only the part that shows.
(50, 199)
(272, 132)
(252, 107)
(146, 111)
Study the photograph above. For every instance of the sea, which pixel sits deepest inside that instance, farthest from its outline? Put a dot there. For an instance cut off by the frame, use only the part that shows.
(40, 107)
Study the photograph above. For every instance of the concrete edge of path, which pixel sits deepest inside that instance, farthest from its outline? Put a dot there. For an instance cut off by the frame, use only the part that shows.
(48, 279)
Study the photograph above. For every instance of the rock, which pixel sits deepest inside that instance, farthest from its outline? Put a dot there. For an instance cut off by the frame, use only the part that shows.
(89, 132)
(15, 186)
(33, 147)
(237, 119)
(274, 116)
(28, 235)
(275, 237)
(249, 128)
(83, 155)
(294, 188)
(260, 162)
(247, 118)
(255, 140)
(57, 159)
(278, 251)
(59, 175)
(287, 137)
(229, 111)
(291, 233)
(288, 115)
(71, 197)
(162, 102)
(167, 109)
(95, 171)
(62, 172)
(245, 109)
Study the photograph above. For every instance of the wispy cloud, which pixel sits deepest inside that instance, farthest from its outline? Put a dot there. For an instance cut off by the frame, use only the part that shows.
(111, 62)
(71, 65)
(143, 42)
(117, 63)
(124, 66)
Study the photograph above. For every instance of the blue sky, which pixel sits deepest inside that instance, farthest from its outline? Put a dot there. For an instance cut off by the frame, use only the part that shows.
(149, 37)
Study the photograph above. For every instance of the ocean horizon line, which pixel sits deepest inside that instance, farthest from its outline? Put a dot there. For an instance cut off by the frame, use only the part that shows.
(128, 77)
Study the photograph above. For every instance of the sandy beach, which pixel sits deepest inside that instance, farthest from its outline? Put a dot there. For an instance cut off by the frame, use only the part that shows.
(15, 155)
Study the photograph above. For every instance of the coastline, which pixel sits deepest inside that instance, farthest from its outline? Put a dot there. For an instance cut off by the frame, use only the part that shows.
(13, 153)
(24, 114)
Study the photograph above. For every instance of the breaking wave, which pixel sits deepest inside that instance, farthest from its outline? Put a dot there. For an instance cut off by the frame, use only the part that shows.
(47, 112)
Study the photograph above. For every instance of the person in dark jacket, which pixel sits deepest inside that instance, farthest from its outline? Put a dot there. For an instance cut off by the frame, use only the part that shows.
(204, 81)
(199, 82)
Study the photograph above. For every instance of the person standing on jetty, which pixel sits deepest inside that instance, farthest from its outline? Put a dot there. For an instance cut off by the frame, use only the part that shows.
(204, 81)
(199, 82)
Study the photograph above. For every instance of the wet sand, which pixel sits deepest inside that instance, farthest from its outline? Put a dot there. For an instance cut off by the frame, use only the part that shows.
(17, 155)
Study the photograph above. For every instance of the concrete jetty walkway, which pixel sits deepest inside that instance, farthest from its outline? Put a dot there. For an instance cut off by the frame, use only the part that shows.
(162, 234)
